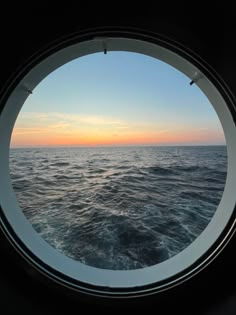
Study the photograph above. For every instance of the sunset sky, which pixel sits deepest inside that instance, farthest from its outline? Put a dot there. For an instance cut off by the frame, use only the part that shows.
(116, 99)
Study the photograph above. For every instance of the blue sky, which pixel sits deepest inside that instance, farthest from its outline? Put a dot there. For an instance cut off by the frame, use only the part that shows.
(114, 99)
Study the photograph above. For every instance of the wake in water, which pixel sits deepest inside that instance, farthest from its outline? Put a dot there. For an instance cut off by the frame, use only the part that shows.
(119, 207)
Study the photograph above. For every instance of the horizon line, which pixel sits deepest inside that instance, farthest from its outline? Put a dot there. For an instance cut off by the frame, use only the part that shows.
(113, 145)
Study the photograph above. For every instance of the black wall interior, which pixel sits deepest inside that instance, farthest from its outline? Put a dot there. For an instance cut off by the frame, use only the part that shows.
(211, 33)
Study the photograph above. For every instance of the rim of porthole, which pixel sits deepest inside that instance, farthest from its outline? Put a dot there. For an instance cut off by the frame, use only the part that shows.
(73, 274)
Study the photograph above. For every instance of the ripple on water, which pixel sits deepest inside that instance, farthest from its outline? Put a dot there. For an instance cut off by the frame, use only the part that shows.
(119, 208)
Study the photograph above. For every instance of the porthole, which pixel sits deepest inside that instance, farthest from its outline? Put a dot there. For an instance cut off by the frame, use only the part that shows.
(93, 279)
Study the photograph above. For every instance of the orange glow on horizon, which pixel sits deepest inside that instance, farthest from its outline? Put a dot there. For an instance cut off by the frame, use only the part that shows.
(41, 137)
(60, 129)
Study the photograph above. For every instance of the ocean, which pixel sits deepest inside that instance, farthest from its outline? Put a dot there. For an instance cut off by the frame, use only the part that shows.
(119, 208)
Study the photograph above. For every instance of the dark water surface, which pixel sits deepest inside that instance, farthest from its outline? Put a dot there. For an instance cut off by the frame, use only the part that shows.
(119, 207)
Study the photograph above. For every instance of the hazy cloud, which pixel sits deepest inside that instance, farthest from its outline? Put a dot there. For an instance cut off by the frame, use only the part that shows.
(63, 120)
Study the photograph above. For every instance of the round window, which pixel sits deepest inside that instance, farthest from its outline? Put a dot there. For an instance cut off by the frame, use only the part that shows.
(121, 165)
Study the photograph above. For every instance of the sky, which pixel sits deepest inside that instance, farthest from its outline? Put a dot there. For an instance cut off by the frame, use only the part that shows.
(118, 98)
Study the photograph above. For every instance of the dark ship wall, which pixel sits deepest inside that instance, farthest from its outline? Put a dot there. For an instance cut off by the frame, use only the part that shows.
(210, 33)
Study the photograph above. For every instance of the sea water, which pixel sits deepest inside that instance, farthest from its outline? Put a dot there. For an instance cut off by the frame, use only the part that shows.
(119, 207)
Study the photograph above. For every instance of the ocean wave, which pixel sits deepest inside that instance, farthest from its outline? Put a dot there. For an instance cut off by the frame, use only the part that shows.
(157, 170)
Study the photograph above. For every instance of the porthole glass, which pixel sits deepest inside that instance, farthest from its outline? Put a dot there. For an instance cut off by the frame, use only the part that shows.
(117, 161)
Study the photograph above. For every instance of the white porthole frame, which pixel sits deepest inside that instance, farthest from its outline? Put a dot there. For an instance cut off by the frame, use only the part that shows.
(115, 282)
